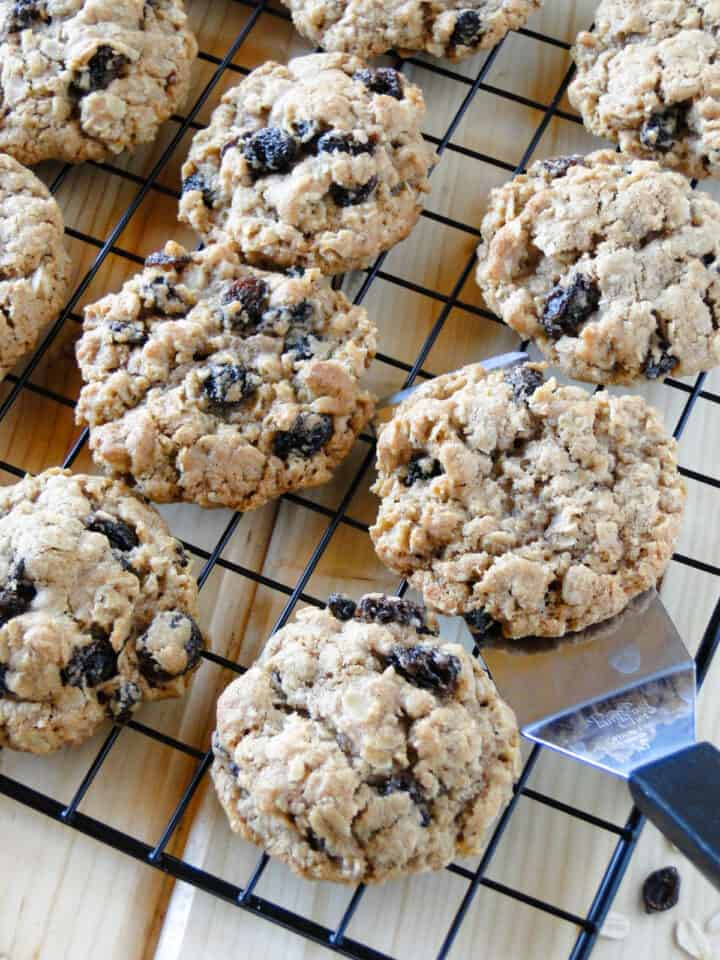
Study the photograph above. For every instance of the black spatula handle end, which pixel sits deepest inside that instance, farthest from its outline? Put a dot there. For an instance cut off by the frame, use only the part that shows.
(681, 796)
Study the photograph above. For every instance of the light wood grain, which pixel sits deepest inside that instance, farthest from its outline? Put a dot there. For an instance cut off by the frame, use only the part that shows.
(65, 896)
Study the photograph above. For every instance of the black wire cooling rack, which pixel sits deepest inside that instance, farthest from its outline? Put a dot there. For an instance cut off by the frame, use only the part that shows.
(156, 855)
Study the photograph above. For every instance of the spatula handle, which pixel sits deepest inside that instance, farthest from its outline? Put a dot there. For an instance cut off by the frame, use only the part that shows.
(681, 795)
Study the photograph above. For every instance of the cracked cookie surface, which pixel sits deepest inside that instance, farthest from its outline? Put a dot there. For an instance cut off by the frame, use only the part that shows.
(86, 79)
(317, 163)
(361, 747)
(97, 609)
(34, 265)
(609, 263)
(547, 509)
(444, 28)
(647, 79)
(216, 383)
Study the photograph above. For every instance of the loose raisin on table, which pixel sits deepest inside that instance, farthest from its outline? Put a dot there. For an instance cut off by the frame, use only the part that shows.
(659, 362)
(229, 384)
(196, 181)
(383, 80)
(405, 782)
(383, 609)
(661, 890)
(567, 308)
(523, 381)
(252, 295)
(420, 466)
(92, 664)
(341, 607)
(336, 142)
(351, 197)
(16, 594)
(468, 31)
(271, 150)
(661, 129)
(426, 667)
(308, 434)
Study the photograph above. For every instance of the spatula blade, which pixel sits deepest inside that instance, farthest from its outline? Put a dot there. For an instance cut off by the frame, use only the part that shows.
(618, 695)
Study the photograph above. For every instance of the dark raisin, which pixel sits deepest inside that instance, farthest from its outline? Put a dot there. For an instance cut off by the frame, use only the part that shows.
(341, 607)
(468, 31)
(421, 467)
(162, 259)
(102, 68)
(405, 782)
(16, 594)
(383, 80)
(4, 690)
(229, 384)
(23, 14)
(336, 142)
(315, 842)
(659, 362)
(481, 624)
(149, 667)
(197, 182)
(566, 308)
(252, 294)
(271, 150)
(121, 535)
(660, 130)
(305, 130)
(295, 271)
(523, 381)
(426, 667)
(299, 344)
(708, 259)
(121, 702)
(560, 165)
(661, 890)
(308, 434)
(133, 334)
(346, 197)
(382, 609)
(92, 664)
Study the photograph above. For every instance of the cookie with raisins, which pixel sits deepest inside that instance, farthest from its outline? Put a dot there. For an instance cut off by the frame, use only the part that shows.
(362, 747)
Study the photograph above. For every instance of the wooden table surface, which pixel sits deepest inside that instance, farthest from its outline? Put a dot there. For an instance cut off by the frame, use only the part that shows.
(67, 897)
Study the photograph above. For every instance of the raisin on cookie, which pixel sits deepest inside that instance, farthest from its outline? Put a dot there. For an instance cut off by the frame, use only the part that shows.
(98, 609)
(86, 79)
(444, 28)
(362, 747)
(34, 265)
(210, 381)
(647, 79)
(609, 263)
(549, 510)
(317, 163)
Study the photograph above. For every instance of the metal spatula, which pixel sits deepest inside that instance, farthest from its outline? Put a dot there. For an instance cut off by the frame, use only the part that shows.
(619, 696)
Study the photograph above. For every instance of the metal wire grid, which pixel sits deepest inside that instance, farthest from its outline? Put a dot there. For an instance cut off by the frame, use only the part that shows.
(156, 855)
